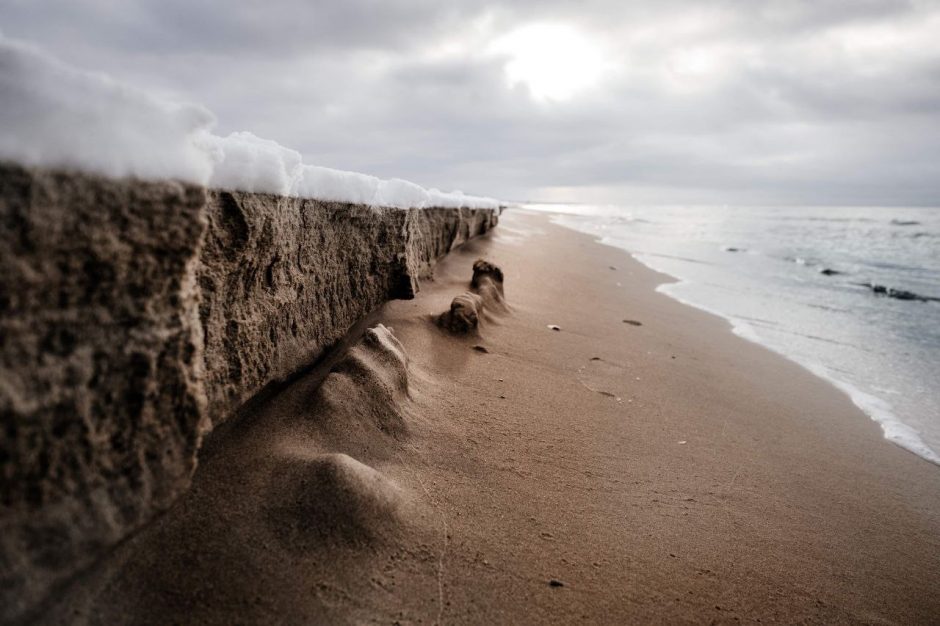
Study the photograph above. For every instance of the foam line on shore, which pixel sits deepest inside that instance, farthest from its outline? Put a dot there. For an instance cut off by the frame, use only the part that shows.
(877, 409)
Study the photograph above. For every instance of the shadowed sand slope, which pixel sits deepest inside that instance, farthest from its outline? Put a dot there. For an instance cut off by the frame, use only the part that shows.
(300, 512)
(609, 472)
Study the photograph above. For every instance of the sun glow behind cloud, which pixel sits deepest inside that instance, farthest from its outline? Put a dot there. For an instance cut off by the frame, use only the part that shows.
(555, 62)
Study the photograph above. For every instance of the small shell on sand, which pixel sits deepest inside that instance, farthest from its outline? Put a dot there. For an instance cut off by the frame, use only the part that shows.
(554, 327)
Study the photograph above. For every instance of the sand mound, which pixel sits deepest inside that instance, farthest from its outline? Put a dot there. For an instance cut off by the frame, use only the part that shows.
(330, 498)
(484, 271)
(363, 399)
(467, 310)
(286, 514)
(488, 282)
(386, 349)
(464, 314)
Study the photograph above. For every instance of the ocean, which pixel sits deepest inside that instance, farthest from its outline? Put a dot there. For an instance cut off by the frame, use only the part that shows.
(847, 292)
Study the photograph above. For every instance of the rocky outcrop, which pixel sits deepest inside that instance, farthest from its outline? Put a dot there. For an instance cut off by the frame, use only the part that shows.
(135, 315)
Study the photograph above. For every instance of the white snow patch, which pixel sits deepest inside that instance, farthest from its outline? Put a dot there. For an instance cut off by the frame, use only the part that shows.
(249, 163)
(56, 116)
(338, 185)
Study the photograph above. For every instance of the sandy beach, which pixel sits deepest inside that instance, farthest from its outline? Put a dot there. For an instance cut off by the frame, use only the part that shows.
(639, 464)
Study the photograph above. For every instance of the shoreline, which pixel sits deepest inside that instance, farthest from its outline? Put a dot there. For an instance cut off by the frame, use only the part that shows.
(877, 409)
(893, 429)
(659, 470)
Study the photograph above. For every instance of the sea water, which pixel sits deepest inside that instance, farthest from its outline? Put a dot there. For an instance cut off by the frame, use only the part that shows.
(763, 270)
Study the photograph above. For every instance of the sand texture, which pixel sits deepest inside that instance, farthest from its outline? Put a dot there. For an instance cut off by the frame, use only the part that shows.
(101, 401)
(135, 316)
(662, 470)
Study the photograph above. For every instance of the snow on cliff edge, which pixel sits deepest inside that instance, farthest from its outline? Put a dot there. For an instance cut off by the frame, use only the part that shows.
(57, 116)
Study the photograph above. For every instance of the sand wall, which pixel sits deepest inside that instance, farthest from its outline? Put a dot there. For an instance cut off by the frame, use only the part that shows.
(282, 279)
(134, 316)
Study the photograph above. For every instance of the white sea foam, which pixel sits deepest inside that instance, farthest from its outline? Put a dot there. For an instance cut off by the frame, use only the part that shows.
(57, 116)
(877, 409)
(882, 412)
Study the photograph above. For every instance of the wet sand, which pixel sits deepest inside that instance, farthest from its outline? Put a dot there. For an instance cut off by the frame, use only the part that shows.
(640, 464)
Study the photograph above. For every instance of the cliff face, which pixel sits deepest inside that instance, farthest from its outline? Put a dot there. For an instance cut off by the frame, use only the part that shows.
(134, 316)
(282, 279)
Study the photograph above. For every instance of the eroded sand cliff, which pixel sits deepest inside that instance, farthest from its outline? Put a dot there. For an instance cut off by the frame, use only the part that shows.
(135, 316)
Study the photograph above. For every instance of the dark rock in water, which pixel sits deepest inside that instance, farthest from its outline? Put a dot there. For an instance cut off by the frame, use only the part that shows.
(733, 249)
(897, 222)
(898, 294)
(829, 272)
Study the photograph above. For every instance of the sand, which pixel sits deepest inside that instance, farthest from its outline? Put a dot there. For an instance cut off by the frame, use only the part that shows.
(641, 463)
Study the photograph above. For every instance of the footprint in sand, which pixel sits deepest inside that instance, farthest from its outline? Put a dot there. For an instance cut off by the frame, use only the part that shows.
(599, 376)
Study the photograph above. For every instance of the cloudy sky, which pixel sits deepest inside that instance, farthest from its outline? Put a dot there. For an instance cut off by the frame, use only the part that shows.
(606, 101)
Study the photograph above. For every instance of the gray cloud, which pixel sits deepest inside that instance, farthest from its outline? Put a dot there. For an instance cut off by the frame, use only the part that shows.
(782, 102)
